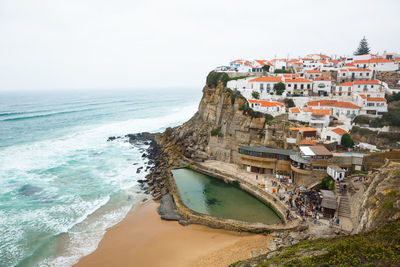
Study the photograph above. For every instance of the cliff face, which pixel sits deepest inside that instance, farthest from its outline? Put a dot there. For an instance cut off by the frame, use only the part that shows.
(223, 122)
(377, 201)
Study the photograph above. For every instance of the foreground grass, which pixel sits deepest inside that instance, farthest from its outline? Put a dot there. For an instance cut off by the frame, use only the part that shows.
(380, 247)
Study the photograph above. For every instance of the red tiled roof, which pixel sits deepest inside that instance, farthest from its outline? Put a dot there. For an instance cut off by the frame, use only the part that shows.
(297, 80)
(339, 131)
(322, 103)
(367, 82)
(261, 62)
(303, 129)
(270, 104)
(267, 79)
(294, 110)
(313, 71)
(307, 109)
(359, 70)
(321, 112)
(363, 96)
(349, 65)
(376, 99)
(321, 79)
(345, 105)
(307, 142)
(373, 60)
(346, 84)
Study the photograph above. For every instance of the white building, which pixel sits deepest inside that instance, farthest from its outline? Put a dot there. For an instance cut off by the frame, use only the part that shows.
(298, 86)
(312, 74)
(272, 108)
(346, 74)
(317, 118)
(332, 135)
(336, 172)
(322, 86)
(378, 64)
(373, 106)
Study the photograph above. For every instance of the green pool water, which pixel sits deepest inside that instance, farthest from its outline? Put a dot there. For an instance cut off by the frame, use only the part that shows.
(211, 196)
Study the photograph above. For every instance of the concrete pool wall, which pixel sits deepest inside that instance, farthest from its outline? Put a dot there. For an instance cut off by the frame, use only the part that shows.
(229, 224)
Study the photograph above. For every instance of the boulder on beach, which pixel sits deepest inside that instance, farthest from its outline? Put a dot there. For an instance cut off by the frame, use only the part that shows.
(167, 209)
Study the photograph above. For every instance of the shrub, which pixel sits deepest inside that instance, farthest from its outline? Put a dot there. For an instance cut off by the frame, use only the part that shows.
(214, 77)
(268, 117)
(282, 71)
(279, 88)
(377, 123)
(266, 68)
(346, 141)
(216, 132)
(392, 97)
(255, 95)
(362, 119)
(289, 102)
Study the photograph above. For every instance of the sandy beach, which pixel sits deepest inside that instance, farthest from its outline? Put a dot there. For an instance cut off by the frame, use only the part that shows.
(143, 239)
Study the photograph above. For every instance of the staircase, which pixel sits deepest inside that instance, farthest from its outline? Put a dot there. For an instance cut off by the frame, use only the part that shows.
(344, 205)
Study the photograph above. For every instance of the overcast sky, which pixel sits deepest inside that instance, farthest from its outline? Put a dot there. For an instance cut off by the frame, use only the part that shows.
(79, 44)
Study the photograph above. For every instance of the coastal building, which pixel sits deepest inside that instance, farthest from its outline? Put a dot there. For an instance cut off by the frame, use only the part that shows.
(312, 74)
(298, 87)
(336, 172)
(317, 118)
(351, 74)
(268, 107)
(322, 86)
(265, 160)
(332, 135)
(373, 106)
(264, 85)
(378, 64)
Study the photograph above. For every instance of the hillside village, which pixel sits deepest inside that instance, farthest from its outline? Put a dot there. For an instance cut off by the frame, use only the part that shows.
(326, 93)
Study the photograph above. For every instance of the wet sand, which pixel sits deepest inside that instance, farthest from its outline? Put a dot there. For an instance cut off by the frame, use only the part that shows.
(143, 239)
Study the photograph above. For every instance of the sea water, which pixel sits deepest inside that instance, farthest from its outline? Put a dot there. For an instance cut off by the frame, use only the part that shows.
(62, 184)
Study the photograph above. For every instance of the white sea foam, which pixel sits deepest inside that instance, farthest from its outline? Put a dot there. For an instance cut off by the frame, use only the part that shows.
(60, 167)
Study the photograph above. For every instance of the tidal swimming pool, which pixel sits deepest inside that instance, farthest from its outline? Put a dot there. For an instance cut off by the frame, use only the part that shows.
(207, 195)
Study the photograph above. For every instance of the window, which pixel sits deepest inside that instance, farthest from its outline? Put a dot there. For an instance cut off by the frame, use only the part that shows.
(261, 86)
(344, 74)
(301, 86)
(268, 86)
(340, 89)
(308, 86)
(367, 73)
(360, 73)
(372, 86)
(289, 85)
(349, 89)
(348, 112)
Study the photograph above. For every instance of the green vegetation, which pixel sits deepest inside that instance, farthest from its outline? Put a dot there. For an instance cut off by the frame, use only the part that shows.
(392, 97)
(362, 119)
(282, 71)
(266, 68)
(326, 184)
(268, 117)
(363, 48)
(380, 247)
(360, 172)
(255, 95)
(346, 141)
(216, 132)
(289, 102)
(279, 88)
(392, 117)
(214, 77)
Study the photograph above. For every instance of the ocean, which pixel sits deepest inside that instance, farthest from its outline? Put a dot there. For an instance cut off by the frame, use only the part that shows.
(62, 184)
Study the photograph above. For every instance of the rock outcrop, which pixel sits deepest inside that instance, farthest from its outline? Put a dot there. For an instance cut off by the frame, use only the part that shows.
(376, 201)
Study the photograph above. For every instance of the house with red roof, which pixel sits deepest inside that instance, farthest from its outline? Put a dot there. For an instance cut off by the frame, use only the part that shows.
(317, 118)
(312, 74)
(373, 106)
(351, 74)
(378, 64)
(298, 86)
(322, 86)
(268, 107)
(332, 134)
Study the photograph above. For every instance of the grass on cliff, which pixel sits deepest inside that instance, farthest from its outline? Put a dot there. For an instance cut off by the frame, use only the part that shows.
(380, 247)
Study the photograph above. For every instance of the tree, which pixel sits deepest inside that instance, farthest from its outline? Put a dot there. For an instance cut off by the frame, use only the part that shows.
(363, 48)
(279, 88)
(346, 141)
(266, 68)
(255, 95)
(289, 102)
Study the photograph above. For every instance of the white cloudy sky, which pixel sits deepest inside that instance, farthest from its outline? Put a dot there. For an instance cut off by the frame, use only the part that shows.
(72, 44)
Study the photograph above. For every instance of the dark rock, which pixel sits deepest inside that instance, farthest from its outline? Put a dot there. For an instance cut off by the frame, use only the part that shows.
(111, 138)
(167, 209)
(184, 222)
(138, 170)
(145, 199)
(29, 190)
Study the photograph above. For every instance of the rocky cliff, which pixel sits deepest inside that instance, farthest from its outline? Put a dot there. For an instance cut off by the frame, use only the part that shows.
(377, 200)
(223, 122)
